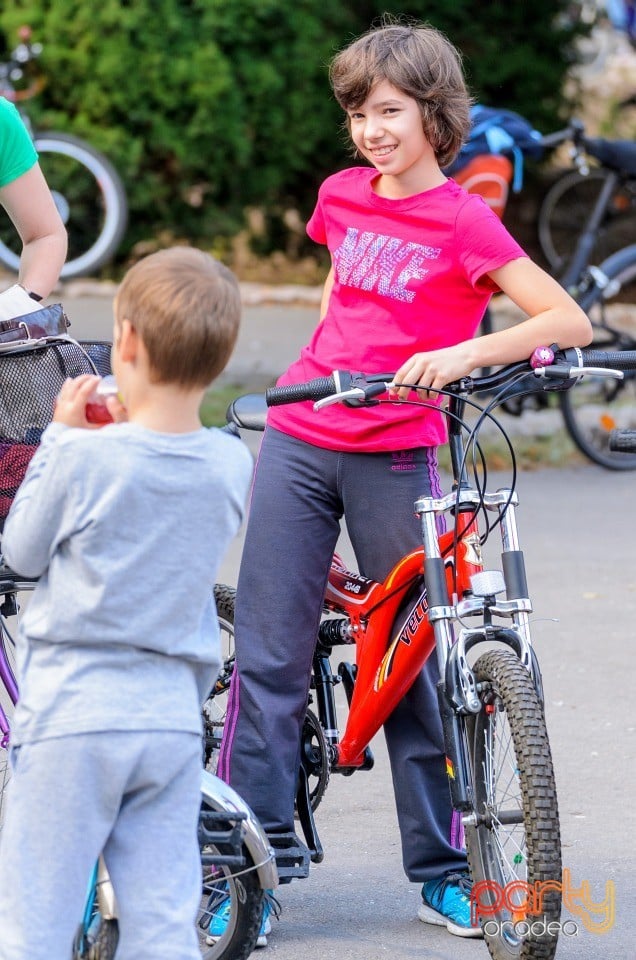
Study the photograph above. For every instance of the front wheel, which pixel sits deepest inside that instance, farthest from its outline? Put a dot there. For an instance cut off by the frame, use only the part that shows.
(224, 878)
(228, 876)
(512, 837)
(99, 942)
(89, 197)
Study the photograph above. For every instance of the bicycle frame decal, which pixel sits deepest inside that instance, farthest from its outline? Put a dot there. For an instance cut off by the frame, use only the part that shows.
(347, 587)
(416, 617)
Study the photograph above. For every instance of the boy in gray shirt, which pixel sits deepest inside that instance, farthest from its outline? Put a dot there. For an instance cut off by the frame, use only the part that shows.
(125, 526)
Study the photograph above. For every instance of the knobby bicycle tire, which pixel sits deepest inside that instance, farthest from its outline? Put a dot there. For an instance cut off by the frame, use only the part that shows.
(106, 941)
(90, 199)
(99, 944)
(516, 835)
(215, 707)
(596, 405)
(565, 210)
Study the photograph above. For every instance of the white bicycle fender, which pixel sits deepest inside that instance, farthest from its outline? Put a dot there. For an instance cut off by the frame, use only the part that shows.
(222, 797)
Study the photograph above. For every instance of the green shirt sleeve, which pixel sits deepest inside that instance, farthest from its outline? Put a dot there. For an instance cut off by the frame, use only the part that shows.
(17, 153)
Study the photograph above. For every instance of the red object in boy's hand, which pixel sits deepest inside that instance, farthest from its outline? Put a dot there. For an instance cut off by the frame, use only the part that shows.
(96, 409)
(98, 413)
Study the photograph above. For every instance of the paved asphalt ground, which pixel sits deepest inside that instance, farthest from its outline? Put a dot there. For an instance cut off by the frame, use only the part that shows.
(578, 528)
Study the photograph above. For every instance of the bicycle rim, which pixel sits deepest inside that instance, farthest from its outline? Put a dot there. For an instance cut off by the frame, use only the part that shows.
(515, 837)
(90, 199)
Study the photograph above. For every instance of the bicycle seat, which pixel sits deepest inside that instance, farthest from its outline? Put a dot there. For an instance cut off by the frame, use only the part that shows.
(619, 155)
(248, 411)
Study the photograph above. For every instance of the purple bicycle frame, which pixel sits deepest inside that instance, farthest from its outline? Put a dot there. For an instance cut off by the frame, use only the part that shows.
(8, 681)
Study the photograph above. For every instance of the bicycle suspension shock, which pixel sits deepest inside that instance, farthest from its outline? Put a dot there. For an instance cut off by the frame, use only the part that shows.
(334, 632)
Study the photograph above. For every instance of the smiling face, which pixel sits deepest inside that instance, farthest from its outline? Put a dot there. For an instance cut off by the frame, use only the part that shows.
(388, 131)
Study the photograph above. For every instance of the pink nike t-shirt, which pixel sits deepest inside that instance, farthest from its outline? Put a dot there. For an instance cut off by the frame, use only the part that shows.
(409, 275)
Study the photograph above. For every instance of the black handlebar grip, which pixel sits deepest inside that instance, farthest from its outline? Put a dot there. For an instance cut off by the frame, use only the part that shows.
(295, 392)
(622, 441)
(616, 359)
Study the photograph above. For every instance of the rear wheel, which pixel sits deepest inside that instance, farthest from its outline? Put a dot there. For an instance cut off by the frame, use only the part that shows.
(514, 837)
(566, 208)
(313, 746)
(215, 707)
(597, 405)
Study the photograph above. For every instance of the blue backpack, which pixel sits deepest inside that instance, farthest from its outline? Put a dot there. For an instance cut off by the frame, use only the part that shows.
(499, 131)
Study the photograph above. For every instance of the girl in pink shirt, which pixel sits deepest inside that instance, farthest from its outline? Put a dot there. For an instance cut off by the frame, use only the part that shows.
(414, 262)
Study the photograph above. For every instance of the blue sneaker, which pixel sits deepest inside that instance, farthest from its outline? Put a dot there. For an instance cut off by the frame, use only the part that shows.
(446, 903)
(221, 918)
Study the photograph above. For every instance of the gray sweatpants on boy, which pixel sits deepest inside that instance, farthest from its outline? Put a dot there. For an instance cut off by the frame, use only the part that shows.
(300, 494)
(133, 795)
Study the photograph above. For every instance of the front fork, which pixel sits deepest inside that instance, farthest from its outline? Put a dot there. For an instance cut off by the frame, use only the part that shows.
(457, 690)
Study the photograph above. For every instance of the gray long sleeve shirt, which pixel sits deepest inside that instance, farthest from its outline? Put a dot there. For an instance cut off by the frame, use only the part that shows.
(125, 527)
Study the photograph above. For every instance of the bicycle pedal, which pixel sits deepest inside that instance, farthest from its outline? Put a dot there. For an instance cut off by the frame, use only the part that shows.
(292, 856)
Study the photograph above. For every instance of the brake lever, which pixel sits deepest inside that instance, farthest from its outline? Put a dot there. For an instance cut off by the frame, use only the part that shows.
(556, 372)
(356, 396)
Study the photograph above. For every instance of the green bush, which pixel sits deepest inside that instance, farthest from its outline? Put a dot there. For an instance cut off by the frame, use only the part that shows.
(211, 107)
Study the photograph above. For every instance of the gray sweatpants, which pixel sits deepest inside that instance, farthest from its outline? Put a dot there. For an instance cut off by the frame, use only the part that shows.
(136, 797)
(300, 494)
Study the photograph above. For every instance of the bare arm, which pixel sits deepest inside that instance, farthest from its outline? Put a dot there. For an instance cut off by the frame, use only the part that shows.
(553, 317)
(326, 293)
(30, 206)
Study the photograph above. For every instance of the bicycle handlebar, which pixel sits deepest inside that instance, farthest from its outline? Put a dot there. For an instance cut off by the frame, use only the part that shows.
(556, 367)
(574, 131)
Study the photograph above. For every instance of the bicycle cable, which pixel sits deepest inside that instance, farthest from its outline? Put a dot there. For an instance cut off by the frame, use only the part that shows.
(479, 468)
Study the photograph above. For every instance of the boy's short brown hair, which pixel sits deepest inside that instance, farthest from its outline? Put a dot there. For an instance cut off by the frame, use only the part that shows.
(421, 62)
(186, 307)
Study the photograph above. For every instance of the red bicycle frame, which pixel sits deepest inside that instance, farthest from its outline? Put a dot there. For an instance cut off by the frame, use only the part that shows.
(391, 649)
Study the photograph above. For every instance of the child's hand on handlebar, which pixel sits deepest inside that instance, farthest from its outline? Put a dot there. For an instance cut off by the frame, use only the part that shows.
(435, 368)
